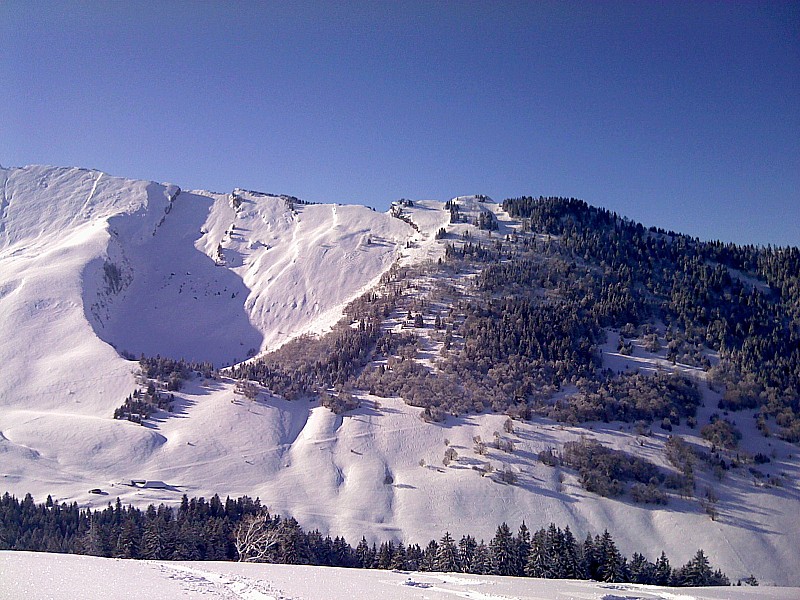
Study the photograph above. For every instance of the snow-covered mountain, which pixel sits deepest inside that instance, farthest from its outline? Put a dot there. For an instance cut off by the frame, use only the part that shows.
(93, 267)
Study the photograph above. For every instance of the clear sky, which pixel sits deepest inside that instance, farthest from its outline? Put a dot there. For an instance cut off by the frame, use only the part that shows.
(680, 115)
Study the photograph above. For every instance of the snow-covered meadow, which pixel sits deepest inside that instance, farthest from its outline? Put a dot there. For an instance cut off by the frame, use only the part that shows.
(37, 576)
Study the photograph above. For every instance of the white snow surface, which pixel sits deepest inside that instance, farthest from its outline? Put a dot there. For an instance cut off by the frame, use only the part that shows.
(212, 276)
(70, 577)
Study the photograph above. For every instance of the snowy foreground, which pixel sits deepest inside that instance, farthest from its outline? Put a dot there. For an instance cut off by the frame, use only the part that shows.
(37, 575)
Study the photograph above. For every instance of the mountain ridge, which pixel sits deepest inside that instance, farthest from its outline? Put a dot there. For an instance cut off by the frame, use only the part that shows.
(107, 264)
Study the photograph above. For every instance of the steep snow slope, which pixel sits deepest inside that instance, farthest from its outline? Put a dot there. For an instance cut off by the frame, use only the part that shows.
(80, 577)
(224, 277)
(194, 275)
(88, 260)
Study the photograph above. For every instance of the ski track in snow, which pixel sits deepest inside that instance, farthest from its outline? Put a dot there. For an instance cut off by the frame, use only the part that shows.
(229, 587)
(463, 587)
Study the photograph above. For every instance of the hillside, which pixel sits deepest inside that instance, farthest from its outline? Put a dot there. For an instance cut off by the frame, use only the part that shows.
(602, 339)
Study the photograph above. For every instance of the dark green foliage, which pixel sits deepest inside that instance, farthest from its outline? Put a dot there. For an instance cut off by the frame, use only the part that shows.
(721, 433)
(339, 402)
(159, 374)
(143, 403)
(647, 494)
(173, 372)
(701, 289)
(204, 530)
(503, 552)
(309, 365)
(447, 557)
(629, 397)
(534, 323)
(486, 221)
(698, 572)
(605, 471)
(113, 277)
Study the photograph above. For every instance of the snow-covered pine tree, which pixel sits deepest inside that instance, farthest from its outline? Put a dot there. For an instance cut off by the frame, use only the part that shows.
(663, 575)
(467, 547)
(538, 563)
(502, 550)
(398, 557)
(523, 546)
(446, 555)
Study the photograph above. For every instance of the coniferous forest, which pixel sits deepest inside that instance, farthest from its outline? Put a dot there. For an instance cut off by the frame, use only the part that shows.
(243, 529)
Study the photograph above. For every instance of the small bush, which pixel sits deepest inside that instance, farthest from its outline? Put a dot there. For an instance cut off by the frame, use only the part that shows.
(647, 494)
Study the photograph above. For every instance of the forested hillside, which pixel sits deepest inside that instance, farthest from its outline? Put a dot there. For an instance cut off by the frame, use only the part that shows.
(510, 320)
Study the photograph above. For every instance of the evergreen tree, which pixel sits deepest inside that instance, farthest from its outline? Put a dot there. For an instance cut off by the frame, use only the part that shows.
(483, 559)
(502, 549)
(414, 557)
(554, 546)
(641, 569)
(385, 553)
(127, 545)
(523, 547)
(398, 561)
(571, 560)
(429, 556)
(364, 555)
(467, 548)
(590, 558)
(697, 572)
(612, 564)
(663, 574)
(96, 541)
(186, 543)
(446, 555)
(154, 546)
(539, 563)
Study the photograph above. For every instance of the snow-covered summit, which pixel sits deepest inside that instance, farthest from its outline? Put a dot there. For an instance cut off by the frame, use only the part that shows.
(190, 274)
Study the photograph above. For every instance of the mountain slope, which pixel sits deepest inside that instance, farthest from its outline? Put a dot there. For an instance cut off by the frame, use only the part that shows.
(90, 263)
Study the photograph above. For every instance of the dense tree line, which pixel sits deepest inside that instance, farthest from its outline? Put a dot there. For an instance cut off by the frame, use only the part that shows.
(212, 530)
(310, 365)
(629, 397)
(141, 404)
(171, 372)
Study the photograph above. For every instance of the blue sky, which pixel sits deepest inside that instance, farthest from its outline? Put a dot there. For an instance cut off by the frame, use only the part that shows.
(680, 115)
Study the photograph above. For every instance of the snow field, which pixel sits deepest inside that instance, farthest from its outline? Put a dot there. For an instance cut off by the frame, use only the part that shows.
(70, 577)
